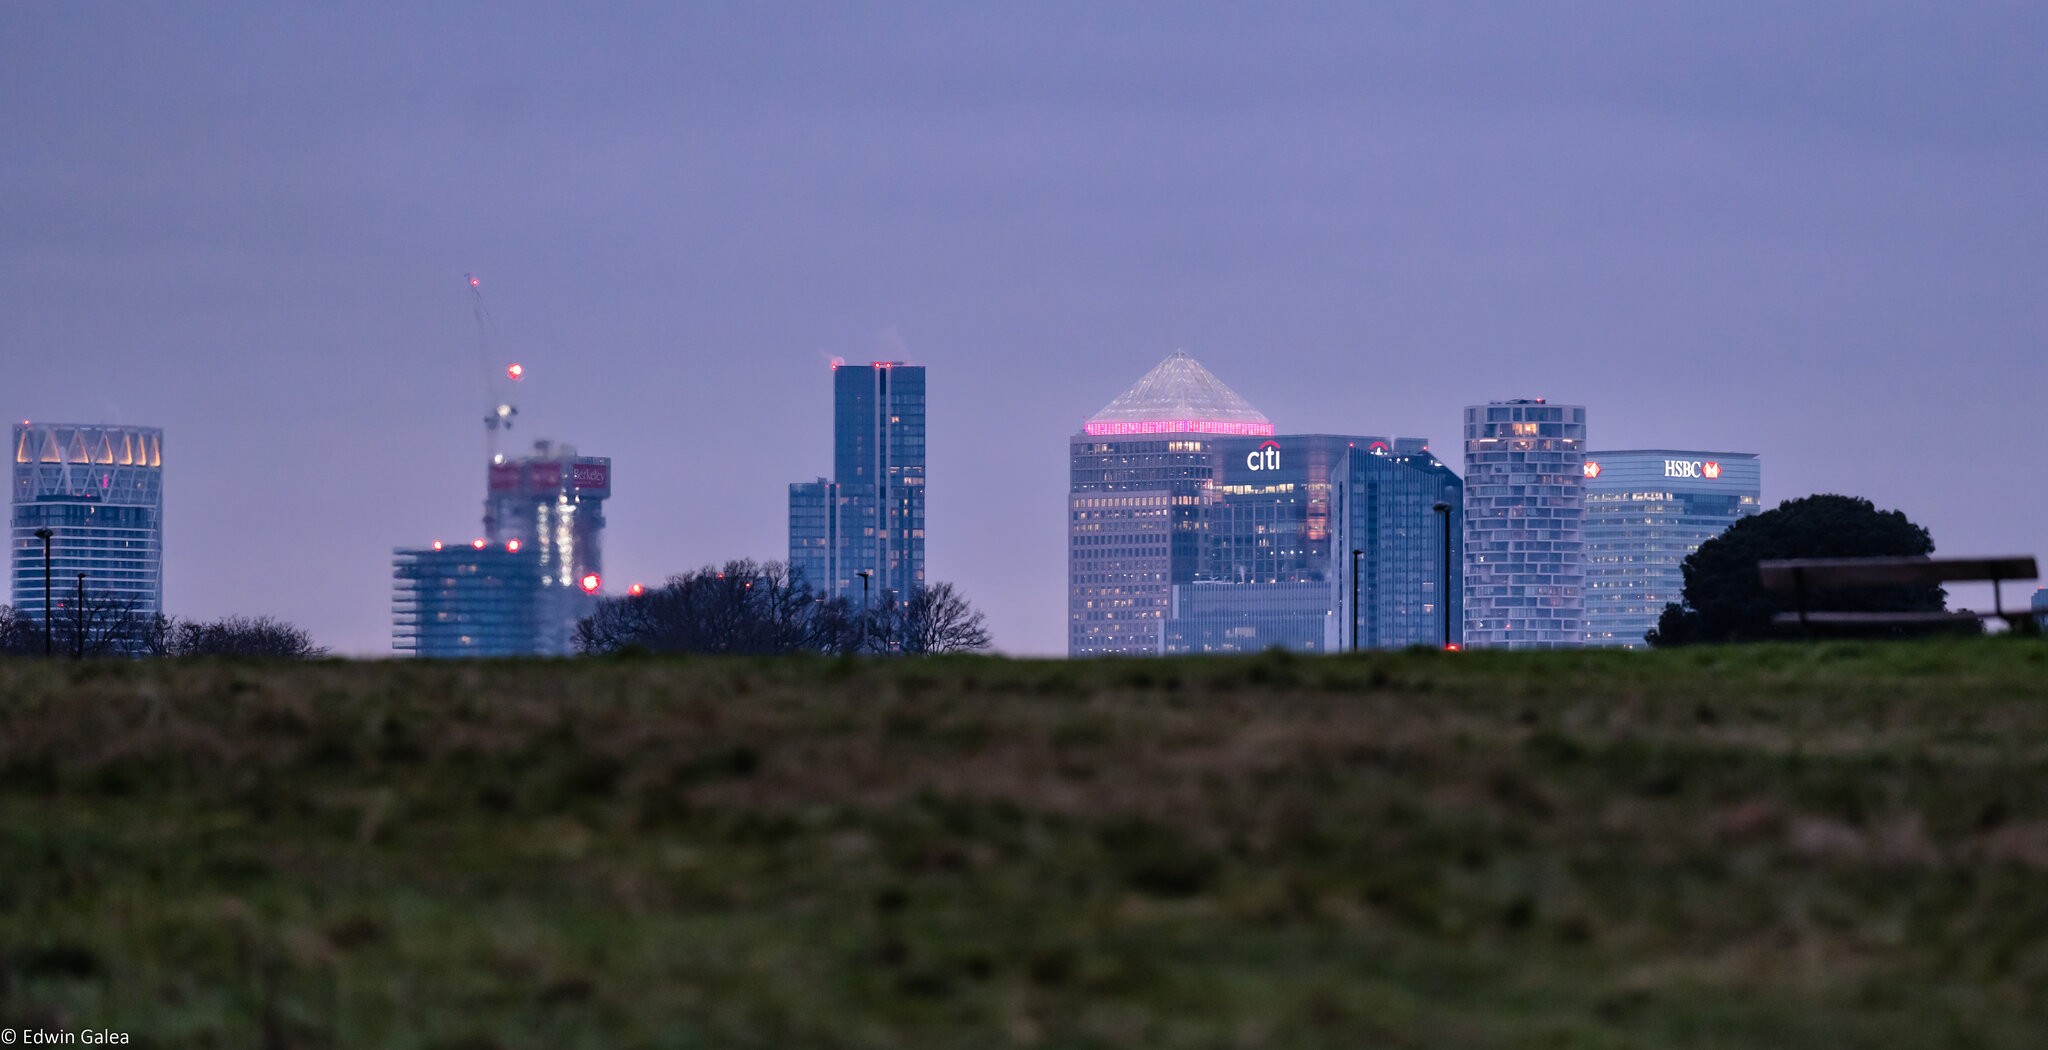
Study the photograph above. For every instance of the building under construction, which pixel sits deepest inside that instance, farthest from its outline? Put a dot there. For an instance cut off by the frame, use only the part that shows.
(537, 567)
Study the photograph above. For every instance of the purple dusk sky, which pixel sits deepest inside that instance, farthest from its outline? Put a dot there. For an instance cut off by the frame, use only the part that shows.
(1811, 231)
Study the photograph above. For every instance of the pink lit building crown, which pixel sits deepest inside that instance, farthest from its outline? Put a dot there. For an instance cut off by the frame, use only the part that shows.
(1179, 396)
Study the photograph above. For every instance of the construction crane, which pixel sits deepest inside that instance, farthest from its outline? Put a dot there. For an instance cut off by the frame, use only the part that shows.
(498, 408)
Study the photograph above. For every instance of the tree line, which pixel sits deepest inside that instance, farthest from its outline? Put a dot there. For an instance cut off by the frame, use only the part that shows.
(764, 608)
(102, 626)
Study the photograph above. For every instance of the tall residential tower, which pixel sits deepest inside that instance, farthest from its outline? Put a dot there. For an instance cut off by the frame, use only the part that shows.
(99, 489)
(869, 517)
(1525, 516)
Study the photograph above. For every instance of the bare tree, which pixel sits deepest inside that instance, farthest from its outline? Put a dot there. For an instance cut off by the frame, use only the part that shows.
(937, 619)
(101, 624)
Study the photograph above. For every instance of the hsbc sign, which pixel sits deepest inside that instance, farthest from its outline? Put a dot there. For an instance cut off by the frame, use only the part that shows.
(1265, 457)
(1692, 468)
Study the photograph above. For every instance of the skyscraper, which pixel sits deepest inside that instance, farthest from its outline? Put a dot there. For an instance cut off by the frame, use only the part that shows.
(520, 588)
(550, 507)
(1383, 506)
(1194, 527)
(870, 516)
(98, 488)
(1646, 509)
(1139, 473)
(1525, 512)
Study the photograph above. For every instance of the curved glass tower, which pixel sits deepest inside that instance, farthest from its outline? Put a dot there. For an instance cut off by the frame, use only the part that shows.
(99, 489)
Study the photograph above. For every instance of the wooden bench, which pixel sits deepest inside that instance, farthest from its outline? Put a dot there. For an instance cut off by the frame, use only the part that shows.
(1804, 575)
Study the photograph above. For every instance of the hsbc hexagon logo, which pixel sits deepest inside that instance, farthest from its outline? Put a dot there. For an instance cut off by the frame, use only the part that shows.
(1592, 469)
(1710, 470)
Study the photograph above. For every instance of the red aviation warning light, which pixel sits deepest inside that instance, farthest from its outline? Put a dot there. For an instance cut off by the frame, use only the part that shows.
(591, 582)
(437, 544)
(478, 543)
(515, 371)
(636, 590)
(511, 546)
(1453, 648)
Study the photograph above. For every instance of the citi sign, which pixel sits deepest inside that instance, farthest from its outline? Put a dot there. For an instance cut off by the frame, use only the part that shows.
(1265, 457)
(1692, 468)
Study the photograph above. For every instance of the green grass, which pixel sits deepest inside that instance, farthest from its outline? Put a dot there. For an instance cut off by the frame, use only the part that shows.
(1831, 846)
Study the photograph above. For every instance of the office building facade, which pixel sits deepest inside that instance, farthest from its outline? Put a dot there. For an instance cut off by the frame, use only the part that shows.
(98, 488)
(869, 517)
(1525, 511)
(1194, 527)
(548, 507)
(1406, 555)
(1139, 472)
(1646, 510)
(470, 600)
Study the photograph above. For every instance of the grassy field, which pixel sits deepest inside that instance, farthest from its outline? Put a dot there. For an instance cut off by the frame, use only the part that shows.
(1812, 846)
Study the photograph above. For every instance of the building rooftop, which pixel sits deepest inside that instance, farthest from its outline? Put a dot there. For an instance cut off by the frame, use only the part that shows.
(1179, 396)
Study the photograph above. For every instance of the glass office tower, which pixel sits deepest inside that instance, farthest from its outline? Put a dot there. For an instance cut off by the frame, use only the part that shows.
(466, 600)
(1193, 527)
(1140, 471)
(1262, 575)
(871, 515)
(1525, 512)
(98, 488)
(1409, 565)
(1646, 509)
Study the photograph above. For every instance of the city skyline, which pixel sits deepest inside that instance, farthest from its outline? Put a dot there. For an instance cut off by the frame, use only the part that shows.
(252, 232)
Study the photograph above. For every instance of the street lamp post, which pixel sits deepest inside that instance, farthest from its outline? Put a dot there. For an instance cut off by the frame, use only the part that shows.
(860, 641)
(78, 615)
(1443, 511)
(1355, 553)
(44, 535)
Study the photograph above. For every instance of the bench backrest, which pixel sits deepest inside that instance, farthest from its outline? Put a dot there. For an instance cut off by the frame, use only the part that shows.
(1882, 572)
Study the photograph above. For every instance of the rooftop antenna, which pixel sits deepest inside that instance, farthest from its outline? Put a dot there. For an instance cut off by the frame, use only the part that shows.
(498, 408)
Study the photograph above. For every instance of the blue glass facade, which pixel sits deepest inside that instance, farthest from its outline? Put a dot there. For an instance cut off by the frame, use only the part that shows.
(1646, 510)
(871, 515)
(1525, 514)
(1410, 558)
(464, 601)
(99, 490)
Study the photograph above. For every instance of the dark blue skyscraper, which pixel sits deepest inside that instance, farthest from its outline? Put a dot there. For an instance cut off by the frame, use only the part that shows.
(869, 517)
(1410, 560)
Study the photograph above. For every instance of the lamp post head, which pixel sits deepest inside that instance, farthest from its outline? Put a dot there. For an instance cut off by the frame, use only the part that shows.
(1441, 507)
(44, 535)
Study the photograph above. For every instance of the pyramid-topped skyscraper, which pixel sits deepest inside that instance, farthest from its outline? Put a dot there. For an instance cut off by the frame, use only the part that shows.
(1179, 396)
(1194, 526)
(1140, 468)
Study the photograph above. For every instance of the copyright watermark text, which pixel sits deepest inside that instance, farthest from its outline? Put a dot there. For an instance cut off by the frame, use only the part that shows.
(62, 1037)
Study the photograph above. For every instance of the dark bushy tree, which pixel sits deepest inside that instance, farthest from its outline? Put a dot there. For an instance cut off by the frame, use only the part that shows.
(762, 608)
(740, 607)
(1726, 602)
(253, 636)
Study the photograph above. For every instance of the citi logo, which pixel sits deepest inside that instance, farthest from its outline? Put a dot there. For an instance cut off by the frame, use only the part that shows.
(1265, 457)
(1692, 468)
